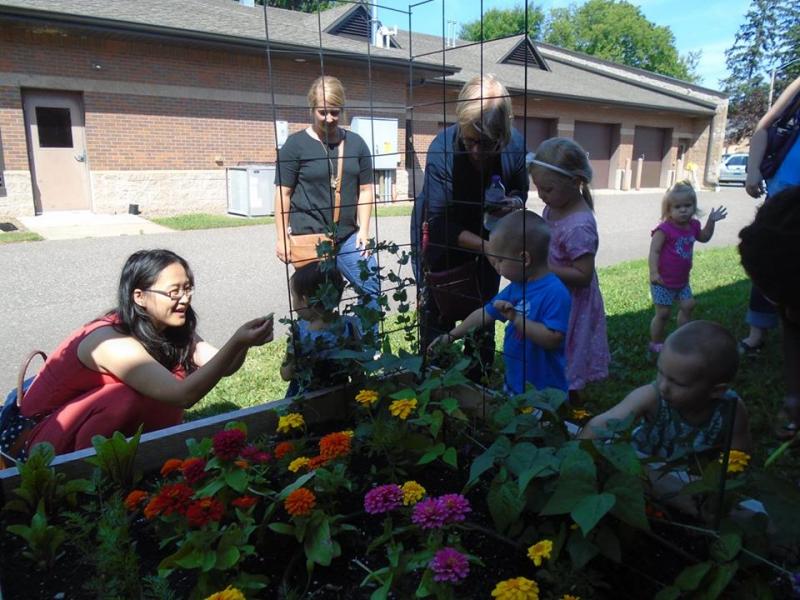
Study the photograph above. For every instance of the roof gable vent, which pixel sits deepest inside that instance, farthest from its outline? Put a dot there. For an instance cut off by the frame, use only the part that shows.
(355, 25)
(523, 54)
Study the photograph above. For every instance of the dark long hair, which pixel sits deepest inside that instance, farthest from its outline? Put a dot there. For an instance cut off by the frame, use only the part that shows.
(172, 347)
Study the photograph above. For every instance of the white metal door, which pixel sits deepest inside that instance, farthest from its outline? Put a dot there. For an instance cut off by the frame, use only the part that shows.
(57, 147)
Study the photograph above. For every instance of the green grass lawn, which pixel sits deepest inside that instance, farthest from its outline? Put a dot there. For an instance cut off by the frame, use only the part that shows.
(12, 237)
(206, 221)
(720, 287)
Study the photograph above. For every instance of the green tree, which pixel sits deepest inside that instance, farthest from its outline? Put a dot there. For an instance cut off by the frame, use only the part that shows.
(616, 30)
(788, 50)
(753, 53)
(499, 23)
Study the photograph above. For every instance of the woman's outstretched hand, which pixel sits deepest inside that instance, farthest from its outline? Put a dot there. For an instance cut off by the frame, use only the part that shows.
(256, 332)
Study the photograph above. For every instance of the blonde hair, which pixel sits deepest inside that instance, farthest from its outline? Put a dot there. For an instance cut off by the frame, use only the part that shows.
(326, 91)
(485, 107)
(566, 155)
(681, 189)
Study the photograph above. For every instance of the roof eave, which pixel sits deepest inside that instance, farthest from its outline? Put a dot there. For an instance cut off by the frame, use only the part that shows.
(143, 29)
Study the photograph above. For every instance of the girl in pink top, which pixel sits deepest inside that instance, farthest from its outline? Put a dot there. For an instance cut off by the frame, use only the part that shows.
(562, 173)
(140, 365)
(670, 257)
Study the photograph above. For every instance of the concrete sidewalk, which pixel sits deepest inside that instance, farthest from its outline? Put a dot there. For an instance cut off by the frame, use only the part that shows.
(75, 225)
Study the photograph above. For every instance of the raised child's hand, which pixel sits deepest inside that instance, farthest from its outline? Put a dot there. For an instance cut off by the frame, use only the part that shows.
(438, 341)
(506, 309)
(717, 214)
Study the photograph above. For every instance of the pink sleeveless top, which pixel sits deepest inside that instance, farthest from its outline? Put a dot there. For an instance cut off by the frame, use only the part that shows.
(65, 378)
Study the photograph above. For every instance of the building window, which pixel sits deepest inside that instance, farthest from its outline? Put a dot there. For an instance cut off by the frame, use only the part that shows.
(54, 126)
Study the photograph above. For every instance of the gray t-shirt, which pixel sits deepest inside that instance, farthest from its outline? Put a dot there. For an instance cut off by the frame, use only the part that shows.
(307, 165)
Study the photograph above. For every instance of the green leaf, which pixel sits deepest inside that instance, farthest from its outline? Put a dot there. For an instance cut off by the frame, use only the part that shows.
(437, 418)
(499, 449)
(630, 504)
(581, 550)
(505, 503)
(237, 479)
(227, 558)
(432, 454)
(568, 494)
(522, 456)
(726, 547)
(689, 579)
(721, 577)
(298, 483)
(450, 457)
(668, 593)
(622, 456)
(424, 589)
(449, 405)
(590, 509)
(319, 546)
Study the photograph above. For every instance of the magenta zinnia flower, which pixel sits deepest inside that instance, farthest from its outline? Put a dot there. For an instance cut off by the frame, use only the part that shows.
(448, 564)
(383, 499)
(429, 514)
(455, 507)
(227, 444)
(253, 454)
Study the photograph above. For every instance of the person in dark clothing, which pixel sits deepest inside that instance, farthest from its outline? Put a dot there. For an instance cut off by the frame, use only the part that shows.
(460, 163)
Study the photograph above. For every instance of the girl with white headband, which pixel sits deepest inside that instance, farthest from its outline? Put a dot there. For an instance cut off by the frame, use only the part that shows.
(561, 173)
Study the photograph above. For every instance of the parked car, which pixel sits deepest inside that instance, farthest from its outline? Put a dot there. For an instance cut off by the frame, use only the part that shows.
(733, 169)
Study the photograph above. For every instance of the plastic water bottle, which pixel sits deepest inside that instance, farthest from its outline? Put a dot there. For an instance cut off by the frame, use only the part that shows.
(493, 199)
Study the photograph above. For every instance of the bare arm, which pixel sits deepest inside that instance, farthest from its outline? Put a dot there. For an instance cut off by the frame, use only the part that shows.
(366, 198)
(477, 318)
(717, 214)
(108, 351)
(758, 142)
(471, 241)
(537, 332)
(578, 274)
(656, 243)
(640, 402)
(283, 203)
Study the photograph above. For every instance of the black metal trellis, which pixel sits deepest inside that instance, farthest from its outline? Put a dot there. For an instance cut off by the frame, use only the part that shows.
(411, 110)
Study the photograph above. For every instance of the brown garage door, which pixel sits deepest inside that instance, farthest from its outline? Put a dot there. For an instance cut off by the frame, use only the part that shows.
(648, 143)
(535, 130)
(596, 140)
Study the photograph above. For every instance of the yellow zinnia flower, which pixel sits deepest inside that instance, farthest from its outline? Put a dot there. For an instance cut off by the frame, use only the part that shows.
(402, 408)
(291, 421)
(518, 588)
(526, 410)
(367, 397)
(298, 463)
(229, 593)
(570, 597)
(412, 493)
(737, 461)
(539, 551)
(578, 414)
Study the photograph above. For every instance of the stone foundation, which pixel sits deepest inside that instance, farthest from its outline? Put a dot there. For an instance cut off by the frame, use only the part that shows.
(159, 192)
(16, 195)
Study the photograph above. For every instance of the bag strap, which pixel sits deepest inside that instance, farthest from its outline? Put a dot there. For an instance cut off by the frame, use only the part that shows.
(337, 203)
(23, 370)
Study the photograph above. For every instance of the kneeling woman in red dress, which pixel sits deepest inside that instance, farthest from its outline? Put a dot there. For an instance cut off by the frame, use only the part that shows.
(141, 364)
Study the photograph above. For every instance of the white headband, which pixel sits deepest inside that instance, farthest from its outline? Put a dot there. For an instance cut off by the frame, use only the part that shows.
(530, 159)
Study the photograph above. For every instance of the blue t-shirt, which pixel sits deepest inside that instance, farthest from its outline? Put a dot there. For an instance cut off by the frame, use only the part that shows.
(788, 174)
(546, 301)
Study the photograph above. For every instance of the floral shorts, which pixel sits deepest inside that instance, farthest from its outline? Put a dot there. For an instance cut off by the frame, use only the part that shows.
(666, 296)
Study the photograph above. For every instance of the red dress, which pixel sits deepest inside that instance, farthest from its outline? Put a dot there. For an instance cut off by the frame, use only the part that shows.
(77, 403)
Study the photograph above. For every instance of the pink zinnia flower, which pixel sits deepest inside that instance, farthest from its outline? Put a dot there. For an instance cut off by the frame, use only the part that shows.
(229, 443)
(448, 564)
(455, 507)
(429, 514)
(383, 499)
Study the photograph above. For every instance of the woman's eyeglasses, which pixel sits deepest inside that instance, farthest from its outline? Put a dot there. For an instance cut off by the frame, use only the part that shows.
(175, 294)
(483, 143)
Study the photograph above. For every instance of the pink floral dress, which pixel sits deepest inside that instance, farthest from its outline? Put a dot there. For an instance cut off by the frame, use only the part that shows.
(587, 343)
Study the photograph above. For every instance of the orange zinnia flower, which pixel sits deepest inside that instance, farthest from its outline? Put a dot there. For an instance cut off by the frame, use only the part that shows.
(335, 444)
(244, 502)
(316, 461)
(300, 502)
(242, 464)
(134, 499)
(170, 466)
(201, 512)
(283, 449)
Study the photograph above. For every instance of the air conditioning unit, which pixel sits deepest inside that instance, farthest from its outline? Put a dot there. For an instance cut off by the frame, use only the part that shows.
(251, 190)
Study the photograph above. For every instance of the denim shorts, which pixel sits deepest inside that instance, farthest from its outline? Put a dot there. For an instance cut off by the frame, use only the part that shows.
(666, 296)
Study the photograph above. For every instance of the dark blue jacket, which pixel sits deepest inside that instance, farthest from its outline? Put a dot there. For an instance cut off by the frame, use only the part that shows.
(436, 196)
